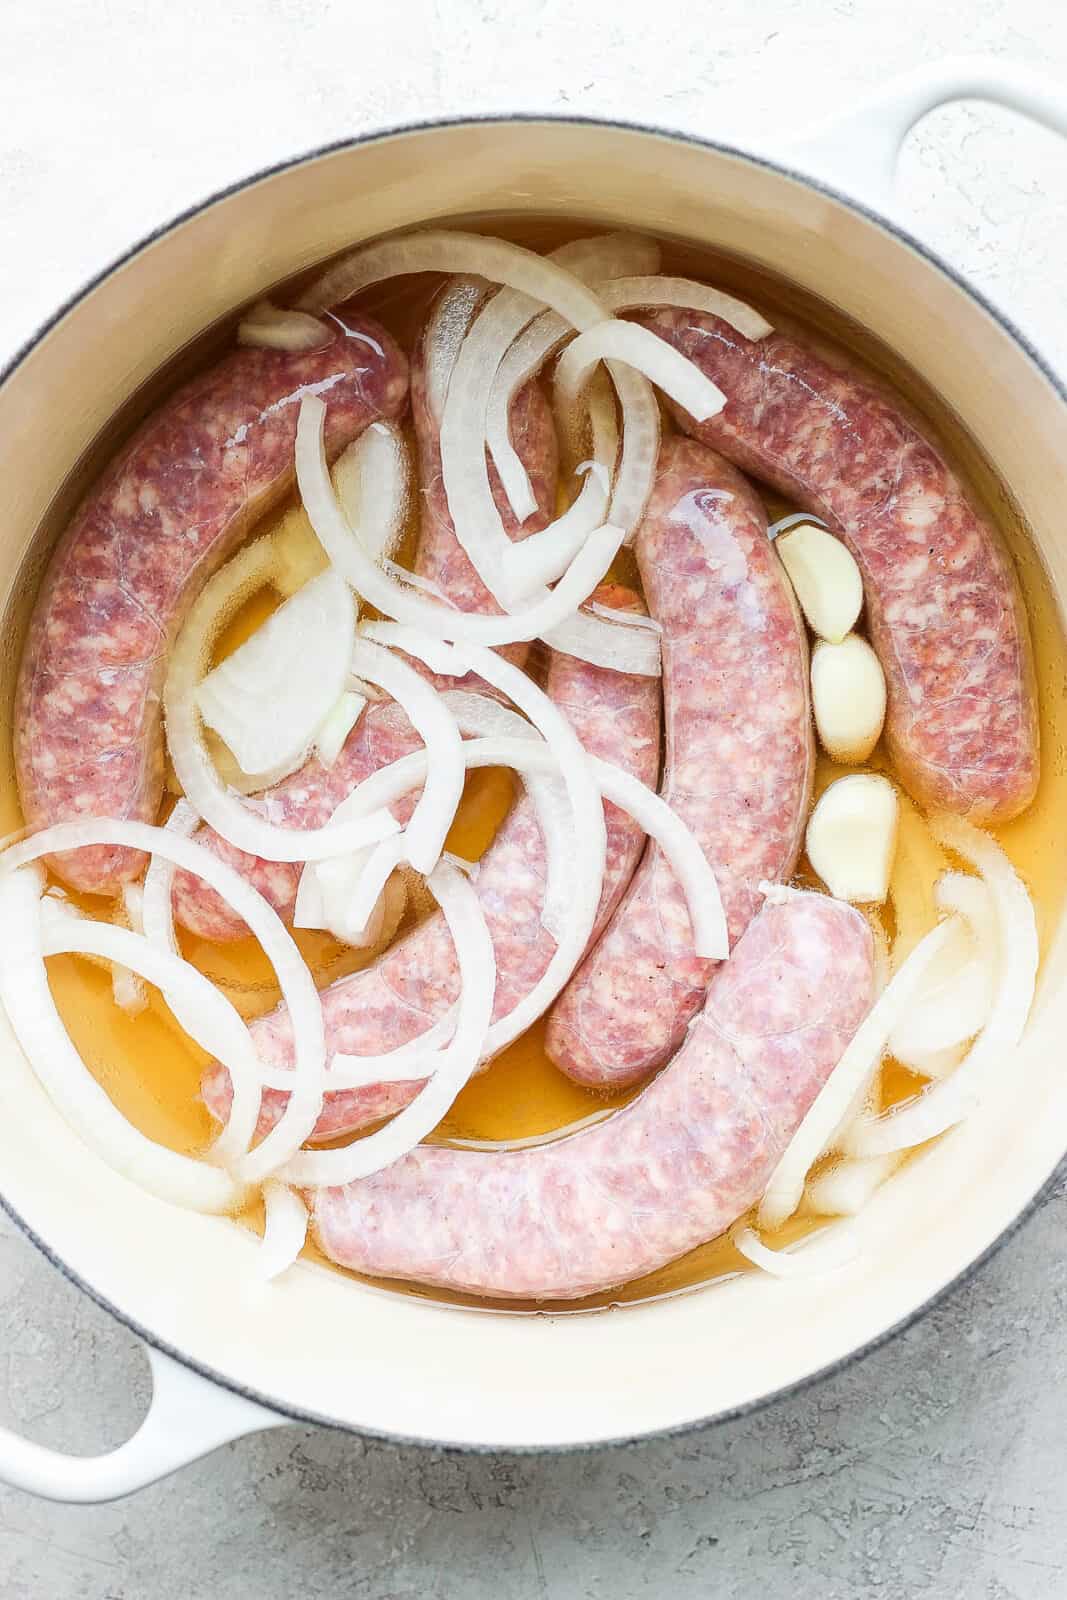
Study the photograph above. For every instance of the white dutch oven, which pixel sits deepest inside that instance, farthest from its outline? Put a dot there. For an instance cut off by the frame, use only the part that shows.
(229, 1357)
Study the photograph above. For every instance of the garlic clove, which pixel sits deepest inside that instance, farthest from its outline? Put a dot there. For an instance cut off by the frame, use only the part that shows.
(825, 579)
(852, 836)
(848, 698)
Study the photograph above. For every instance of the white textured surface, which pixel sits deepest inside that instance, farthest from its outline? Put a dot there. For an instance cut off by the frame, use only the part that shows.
(932, 1469)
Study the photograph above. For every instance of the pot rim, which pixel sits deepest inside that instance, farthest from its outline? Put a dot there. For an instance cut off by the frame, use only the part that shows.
(901, 236)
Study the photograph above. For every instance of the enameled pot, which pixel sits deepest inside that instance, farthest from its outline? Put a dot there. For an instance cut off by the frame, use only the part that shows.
(230, 1356)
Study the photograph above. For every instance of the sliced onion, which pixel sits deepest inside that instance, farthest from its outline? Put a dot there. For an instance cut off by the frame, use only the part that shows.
(532, 1141)
(373, 482)
(477, 364)
(557, 548)
(586, 807)
(917, 866)
(414, 580)
(646, 352)
(826, 1251)
(269, 697)
(365, 905)
(452, 315)
(938, 1063)
(345, 551)
(327, 890)
(944, 1104)
(86, 1107)
(285, 1226)
(294, 979)
(526, 755)
(628, 619)
(127, 989)
(442, 250)
(225, 812)
(613, 645)
(272, 327)
(480, 717)
(460, 1058)
(652, 814)
(511, 572)
(845, 1188)
(952, 1006)
(407, 1063)
(338, 723)
(208, 1016)
(424, 836)
(823, 1123)
(628, 294)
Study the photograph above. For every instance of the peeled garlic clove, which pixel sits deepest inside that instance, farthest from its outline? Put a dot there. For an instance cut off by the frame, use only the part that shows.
(852, 836)
(825, 579)
(848, 697)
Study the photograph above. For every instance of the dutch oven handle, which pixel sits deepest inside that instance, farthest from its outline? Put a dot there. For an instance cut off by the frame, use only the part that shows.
(857, 149)
(188, 1417)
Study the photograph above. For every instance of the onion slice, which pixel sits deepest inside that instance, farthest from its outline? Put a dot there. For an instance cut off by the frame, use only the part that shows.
(526, 755)
(943, 1104)
(445, 250)
(557, 546)
(630, 294)
(649, 810)
(847, 1082)
(477, 972)
(602, 258)
(480, 717)
(647, 353)
(208, 1016)
(327, 889)
(38, 1027)
(285, 1226)
(452, 315)
(407, 1063)
(511, 572)
(583, 795)
(271, 327)
(333, 732)
(237, 822)
(845, 1188)
(828, 1250)
(424, 836)
(345, 551)
(127, 989)
(294, 979)
(268, 698)
(373, 480)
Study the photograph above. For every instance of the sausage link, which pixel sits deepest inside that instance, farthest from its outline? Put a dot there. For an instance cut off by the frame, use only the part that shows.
(173, 505)
(944, 608)
(738, 768)
(616, 716)
(308, 798)
(670, 1171)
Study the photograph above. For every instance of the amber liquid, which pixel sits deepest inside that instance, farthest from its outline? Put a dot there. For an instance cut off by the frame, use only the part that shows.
(152, 1070)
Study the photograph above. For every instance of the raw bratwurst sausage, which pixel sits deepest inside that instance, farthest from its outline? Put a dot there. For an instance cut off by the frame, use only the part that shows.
(673, 1169)
(88, 740)
(383, 733)
(944, 609)
(738, 767)
(413, 985)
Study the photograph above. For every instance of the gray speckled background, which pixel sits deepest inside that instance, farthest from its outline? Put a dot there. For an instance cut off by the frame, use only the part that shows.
(935, 1468)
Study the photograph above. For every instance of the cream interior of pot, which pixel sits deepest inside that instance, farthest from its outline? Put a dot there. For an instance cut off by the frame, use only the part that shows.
(369, 1358)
